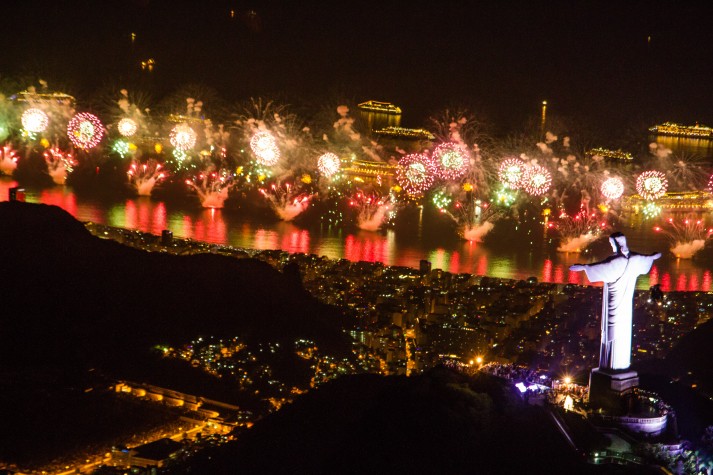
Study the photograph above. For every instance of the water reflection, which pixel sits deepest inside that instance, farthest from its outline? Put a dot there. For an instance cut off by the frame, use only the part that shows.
(142, 214)
(684, 145)
(403, 246)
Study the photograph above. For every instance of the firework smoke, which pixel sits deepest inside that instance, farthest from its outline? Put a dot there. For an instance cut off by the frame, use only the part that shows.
(59, 164)
(686, 237)
(344, 126)
(281, 141)
(477, 232)
(286, 200)
(578, 232)
(8, 160)
(373, 210)
(474, 218)
(212, 187)
(144, 177)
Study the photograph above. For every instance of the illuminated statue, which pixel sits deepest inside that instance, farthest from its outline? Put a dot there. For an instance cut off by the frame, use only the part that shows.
(619, 273)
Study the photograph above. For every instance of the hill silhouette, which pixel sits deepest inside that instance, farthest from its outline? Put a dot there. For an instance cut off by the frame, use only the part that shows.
(684, 378)
(694, 353)
(78, 312)
(71, 298)
(438, 422)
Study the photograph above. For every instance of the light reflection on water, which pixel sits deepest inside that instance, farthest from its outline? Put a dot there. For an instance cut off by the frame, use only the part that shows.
(700, 148)
(402, 247)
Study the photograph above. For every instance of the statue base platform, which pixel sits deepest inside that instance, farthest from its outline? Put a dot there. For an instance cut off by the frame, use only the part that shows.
(610, 389)
(615, 401)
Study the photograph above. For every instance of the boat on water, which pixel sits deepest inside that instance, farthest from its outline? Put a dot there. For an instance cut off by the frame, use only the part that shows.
(677, 201)
(676, 130)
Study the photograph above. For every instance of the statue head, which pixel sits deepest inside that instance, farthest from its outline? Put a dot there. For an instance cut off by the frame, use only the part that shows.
(618, 244)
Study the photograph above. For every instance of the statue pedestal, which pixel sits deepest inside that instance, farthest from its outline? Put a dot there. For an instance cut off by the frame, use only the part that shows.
(609, 388)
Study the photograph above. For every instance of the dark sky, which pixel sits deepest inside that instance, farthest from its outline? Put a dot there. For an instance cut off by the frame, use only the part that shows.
(587, 58)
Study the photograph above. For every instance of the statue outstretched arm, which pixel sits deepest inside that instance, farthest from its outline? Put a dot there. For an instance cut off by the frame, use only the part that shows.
(577, 267)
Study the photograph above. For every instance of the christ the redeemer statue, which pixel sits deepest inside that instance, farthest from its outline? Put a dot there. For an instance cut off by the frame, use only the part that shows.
(619, 273)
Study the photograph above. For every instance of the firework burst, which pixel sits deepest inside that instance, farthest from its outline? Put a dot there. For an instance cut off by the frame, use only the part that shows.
(59, 164)
(85, 130)
(264, 146)
(143, 177)
(651, 210)
(687, 237)
(504, 196)
(612, 188)
(277, 137)
(451, 160)
(585, 176)
(34, 120)
(651, 184)
(511, 172)
(329, 164)
(536, 180)
(123, 148)
(686, 173)
(415, 173)
(8, 160)
(183, 137)
(286, 200)
(212, 187)
(127, 127)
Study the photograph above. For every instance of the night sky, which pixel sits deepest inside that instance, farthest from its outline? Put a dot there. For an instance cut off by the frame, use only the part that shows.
(613, 62)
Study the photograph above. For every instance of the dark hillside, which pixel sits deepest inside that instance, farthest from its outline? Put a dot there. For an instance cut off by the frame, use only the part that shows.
(70, 297)
(439, 422)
